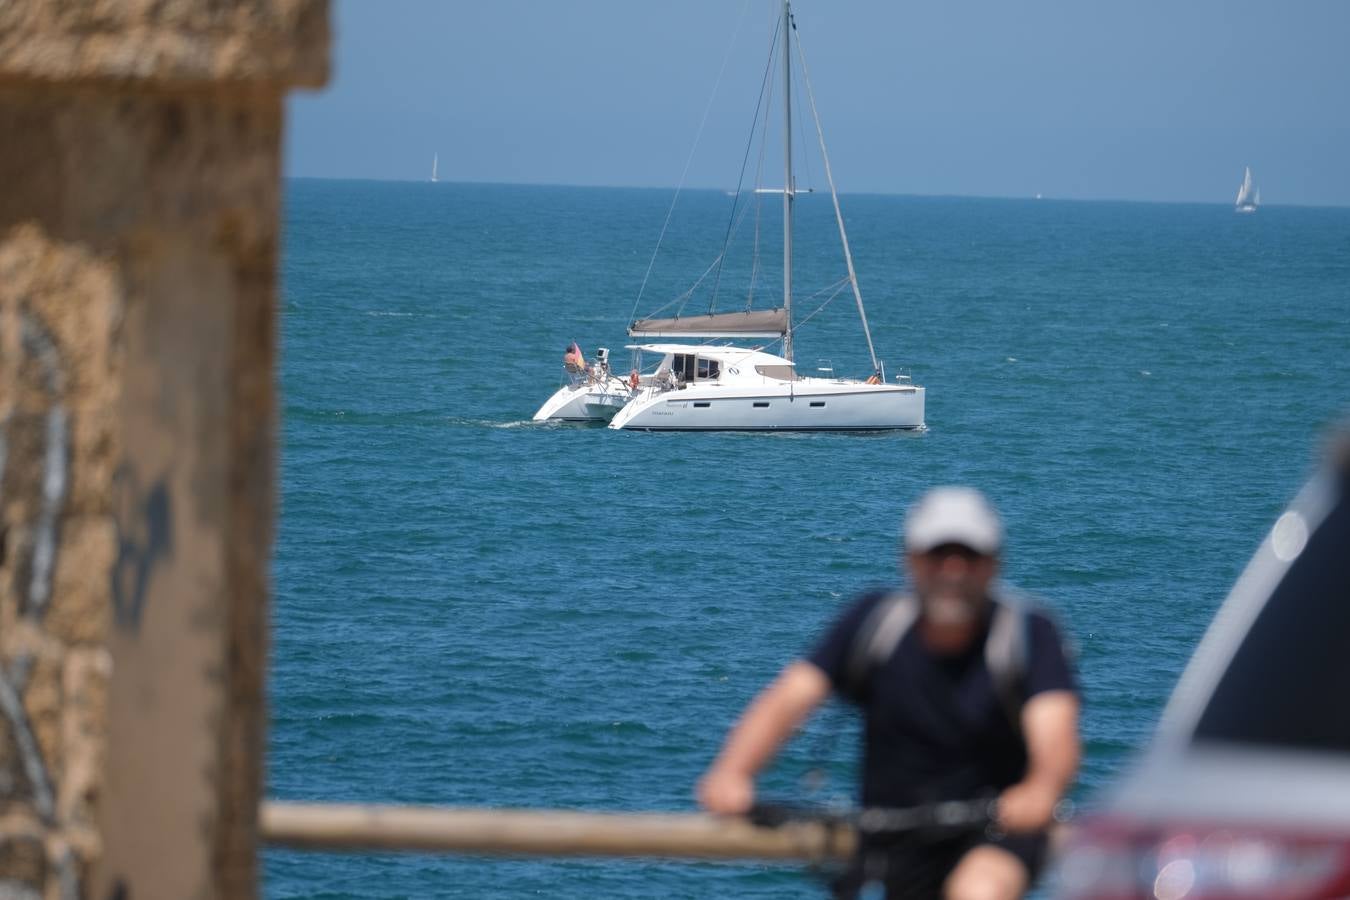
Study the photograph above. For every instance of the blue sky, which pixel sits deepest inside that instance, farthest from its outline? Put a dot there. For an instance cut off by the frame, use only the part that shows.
(1078, 99)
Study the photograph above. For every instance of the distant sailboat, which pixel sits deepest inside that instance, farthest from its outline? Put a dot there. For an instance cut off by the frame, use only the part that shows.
(434, 160)
(1247, 200)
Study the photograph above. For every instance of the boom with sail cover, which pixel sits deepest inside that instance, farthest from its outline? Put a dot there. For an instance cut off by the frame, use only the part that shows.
(768, 323)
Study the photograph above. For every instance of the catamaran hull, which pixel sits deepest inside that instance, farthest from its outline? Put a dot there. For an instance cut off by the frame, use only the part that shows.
(867, 408)
(585, 403)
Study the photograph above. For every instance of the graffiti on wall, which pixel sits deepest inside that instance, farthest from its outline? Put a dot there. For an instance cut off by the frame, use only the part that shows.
(34, 460)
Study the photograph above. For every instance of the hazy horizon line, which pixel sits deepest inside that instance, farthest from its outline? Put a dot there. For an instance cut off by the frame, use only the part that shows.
(860, 193)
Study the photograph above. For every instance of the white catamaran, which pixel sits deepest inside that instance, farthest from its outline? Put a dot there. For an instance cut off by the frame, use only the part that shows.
(707, 387)
(1247, 199)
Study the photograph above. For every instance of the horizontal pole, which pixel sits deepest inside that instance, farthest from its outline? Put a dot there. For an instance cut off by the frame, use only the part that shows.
(545, 832)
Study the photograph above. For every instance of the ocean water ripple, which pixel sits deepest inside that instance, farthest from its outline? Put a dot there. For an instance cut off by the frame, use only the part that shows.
(473, 609)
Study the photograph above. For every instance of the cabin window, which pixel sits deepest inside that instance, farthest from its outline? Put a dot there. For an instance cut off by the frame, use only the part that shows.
(683, 364)
(781, 373)
(761, 404)
(815, 403)
(707, 368)
(701, 405)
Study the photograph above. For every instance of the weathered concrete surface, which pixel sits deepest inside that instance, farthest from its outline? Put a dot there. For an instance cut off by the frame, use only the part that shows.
(53, 661)
(174, 42)
(139, 180)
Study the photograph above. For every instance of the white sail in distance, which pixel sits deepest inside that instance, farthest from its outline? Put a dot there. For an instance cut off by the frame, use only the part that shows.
(1245, 201)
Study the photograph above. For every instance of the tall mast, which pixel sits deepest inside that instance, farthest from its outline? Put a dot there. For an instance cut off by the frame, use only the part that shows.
(787, 178)
(838, 214)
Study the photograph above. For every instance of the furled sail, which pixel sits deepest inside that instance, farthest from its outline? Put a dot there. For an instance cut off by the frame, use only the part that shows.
(744, 323)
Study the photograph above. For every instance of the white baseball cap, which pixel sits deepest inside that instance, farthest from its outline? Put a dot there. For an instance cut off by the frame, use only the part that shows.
(953, 515)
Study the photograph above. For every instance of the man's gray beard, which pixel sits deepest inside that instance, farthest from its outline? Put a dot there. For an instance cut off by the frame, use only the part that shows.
(947, 609)
(951, 604)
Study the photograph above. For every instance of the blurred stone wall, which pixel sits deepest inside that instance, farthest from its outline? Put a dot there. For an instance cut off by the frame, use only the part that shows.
(139, 202)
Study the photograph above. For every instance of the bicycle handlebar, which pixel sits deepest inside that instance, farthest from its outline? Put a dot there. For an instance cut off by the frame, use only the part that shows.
(882, 821)
(879, 821)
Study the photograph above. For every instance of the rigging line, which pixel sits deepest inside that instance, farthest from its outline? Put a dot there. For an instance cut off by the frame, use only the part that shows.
(764, 84)
(834, 196)
(758, 199)
(714, 266)
(838, 289)
(688, 161)
(759, 206)
(688, 295)
(829, 287)
(801, 129)
(683, 297)
(754, 260)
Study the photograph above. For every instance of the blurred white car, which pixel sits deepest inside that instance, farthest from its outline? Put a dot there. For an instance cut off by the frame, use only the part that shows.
(1245, 792)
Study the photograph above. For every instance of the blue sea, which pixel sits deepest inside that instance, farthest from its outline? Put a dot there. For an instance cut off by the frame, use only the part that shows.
(472, 609)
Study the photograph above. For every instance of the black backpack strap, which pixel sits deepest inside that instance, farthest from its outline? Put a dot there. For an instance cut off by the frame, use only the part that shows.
(880, 633)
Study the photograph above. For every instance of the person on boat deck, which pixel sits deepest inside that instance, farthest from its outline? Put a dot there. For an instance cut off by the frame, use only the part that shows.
(946, 715)
(573, 361)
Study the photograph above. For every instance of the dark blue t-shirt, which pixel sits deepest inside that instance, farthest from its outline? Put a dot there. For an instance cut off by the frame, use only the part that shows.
(934, 727)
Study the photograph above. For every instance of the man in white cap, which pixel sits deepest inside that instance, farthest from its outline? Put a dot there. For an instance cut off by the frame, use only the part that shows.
(964, 694)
